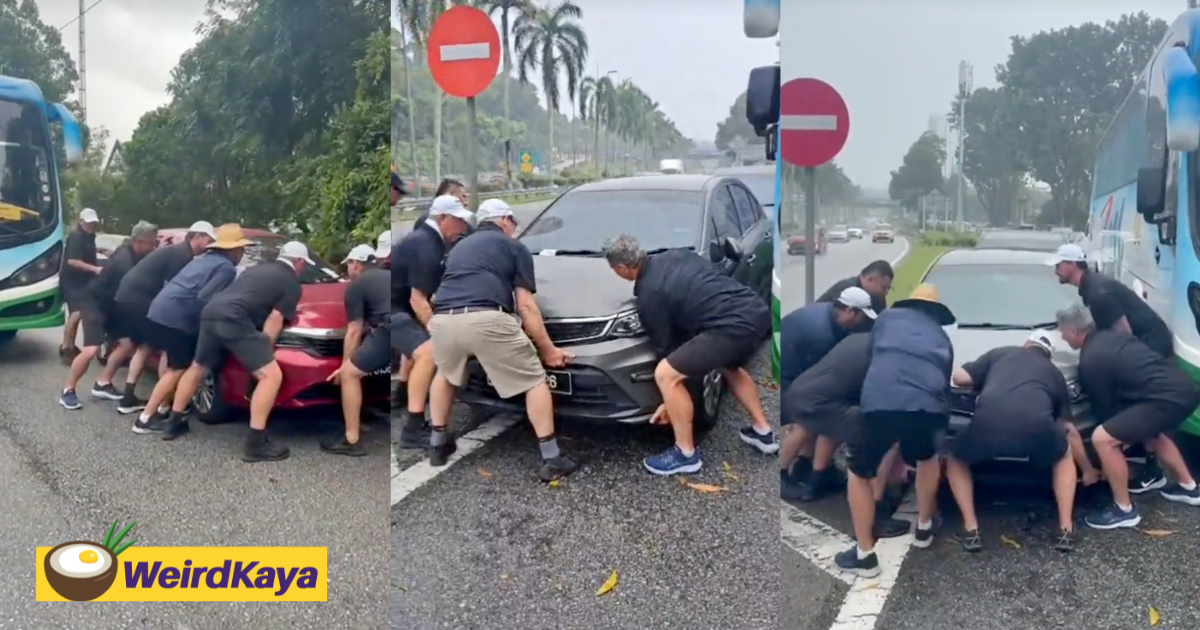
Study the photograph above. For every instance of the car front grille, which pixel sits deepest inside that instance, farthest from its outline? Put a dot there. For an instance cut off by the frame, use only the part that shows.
(565, 332)
(962, 402)
(329, 347)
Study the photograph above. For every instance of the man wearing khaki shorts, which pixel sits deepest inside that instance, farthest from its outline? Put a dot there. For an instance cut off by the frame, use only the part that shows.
(484, 309)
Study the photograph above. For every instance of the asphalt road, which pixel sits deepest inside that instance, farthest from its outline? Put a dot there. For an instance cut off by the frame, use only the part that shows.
(485, 546)
(840, 261)
(65, 475)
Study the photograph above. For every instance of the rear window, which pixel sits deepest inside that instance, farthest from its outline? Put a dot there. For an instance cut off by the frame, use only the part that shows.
(584, 221)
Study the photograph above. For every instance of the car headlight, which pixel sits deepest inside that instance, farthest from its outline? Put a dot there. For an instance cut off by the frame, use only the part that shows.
(42, 267)
(1075, 391)
(627, 325)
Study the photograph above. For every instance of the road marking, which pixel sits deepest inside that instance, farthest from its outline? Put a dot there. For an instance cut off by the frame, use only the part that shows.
(903, 253)
(804, 122)
(465, 52)
(407, 481)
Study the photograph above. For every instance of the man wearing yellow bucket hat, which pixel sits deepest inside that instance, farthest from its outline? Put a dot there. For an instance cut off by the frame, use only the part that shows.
(905, 400)
(174, 319)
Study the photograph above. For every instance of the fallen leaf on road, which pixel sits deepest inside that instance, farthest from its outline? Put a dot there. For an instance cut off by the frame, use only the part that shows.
(1005, 540)
(728, 468)
(706, 488)
(608, 585)
(731, 476)
(1155, 619)
(870, 587)
(554, 483)
(272, 480)
(483, 473)
(503, 576)
(1156, 533)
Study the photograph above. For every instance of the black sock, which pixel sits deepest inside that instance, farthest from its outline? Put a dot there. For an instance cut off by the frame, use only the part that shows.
(414, 419)
(256, 435)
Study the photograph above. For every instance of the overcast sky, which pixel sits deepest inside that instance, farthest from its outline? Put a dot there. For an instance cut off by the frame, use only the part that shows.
(689, 56)
(132, 46)
(896, 64)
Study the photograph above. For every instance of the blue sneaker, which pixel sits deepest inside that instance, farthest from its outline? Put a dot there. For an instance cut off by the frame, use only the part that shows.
(673, 462)
(766, 444)
(69, 400)
(1113, 517)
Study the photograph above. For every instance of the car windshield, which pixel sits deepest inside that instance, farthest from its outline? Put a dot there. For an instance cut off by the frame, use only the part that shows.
(267, 248)
(1045, 242)
(581, 221)
(1001, 295)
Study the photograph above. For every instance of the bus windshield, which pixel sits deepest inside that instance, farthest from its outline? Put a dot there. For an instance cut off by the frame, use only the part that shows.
(27, 193)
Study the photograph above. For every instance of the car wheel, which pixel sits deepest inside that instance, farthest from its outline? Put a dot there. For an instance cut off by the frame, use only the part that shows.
(706, 400)
(210, 409)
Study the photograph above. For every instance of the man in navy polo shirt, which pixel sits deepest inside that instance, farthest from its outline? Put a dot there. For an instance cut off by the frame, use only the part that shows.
(417, 265)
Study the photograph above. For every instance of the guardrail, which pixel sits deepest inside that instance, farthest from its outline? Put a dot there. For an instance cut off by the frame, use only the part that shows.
(424, 202)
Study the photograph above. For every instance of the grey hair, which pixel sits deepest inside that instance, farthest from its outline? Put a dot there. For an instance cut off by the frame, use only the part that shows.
(1077, 317)
(624, 251)
(144, 229)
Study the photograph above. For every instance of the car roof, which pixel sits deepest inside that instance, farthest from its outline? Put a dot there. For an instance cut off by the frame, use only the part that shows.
(761, 169)
(683, 182)
(1031, 235)
(992, 257)
(247, 232)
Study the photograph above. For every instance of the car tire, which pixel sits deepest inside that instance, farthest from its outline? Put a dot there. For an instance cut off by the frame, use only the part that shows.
(706, 403)
(210, 409)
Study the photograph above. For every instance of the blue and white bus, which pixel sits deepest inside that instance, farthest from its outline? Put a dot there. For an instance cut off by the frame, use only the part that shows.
(1144, 219)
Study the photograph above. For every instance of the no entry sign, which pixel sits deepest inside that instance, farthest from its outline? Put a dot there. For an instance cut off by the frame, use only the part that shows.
(813, 122)
(464, 51)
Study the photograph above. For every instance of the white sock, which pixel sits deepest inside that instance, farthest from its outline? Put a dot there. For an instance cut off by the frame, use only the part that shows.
(862, 555)
(688, 453)
(1125, 508)
(763, 431)
(925, 524)
(144, 417)
(1189, 486)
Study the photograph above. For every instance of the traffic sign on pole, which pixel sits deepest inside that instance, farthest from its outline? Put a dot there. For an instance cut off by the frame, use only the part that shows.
(526, 162)
(813, 122)
(464, 51)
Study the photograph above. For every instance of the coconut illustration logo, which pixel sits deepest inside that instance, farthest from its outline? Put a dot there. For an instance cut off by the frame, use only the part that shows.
(82, 570)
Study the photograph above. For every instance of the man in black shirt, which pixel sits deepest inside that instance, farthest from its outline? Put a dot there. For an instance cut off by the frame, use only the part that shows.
(99, 320)
(876, 279)
(1137, 396)
(1115, 306)
(244, 321)
(698, 321)
(399, 188)
(366, 348)
(484, 310)
(1022, 409)
(80, 267)
(134, 295)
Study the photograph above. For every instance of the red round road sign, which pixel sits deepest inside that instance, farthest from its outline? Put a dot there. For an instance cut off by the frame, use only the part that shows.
(813, 122)
(464, 51)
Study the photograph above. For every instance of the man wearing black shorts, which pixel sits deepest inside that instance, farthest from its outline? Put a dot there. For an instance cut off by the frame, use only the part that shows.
(244, 321)
(100, 321)
(698, 320)
(173, 321)
(905, 400)
(1022, 410)
(78, 269)
(133, 298)
(823, 401)
(1139, 397)
(417, 264)
(367, 346)
(876, 279)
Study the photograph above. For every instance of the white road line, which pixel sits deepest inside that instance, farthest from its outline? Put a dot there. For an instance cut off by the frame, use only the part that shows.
(808, 123)
(903, 253)
(407, 481)
(465, 52)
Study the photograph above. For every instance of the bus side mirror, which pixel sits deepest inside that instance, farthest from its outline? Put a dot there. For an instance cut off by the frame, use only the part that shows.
(762, 99)
(1151, 190)
(1183, 100)
(72, 136)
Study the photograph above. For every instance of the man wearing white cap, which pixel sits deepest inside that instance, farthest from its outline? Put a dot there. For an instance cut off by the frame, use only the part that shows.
(1021, 411)
(383, 250)
(134, 295)
(367, 346)
(1115, 306)
(78, 269)
(243, 321)
(417, 267)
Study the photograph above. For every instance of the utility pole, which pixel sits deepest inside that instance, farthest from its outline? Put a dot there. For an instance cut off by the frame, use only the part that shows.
(82, 63)
(965, 78)
(412, 130)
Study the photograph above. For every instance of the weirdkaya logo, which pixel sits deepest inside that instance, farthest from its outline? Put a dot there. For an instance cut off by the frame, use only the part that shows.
(89, 571)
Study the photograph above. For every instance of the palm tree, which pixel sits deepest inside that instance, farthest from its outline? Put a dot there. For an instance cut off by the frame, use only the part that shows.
(595, 99)
(492, 7)
(419, 16)
(551, 41)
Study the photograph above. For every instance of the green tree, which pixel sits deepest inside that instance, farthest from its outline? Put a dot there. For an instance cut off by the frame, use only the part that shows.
(503, 8)
(991, 154)
(735, 125)
(921, 171)
(31, 49)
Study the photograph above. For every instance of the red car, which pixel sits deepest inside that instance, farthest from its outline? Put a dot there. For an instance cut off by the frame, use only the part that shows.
(796, 244)
(308, 350)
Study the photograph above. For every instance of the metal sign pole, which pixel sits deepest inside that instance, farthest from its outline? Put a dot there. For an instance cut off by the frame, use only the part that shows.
(472, 167)
(810, 235)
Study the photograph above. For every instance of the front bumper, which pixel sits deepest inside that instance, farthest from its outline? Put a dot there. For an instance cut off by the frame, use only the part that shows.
(612, 381)
(963, 404)
(304, 382)
(34, 309)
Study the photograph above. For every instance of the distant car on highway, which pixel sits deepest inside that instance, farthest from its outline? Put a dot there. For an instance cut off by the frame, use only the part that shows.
(589, 311)
(797, 244)
(1025, 240)
(883, 233)
(998, 297)
(839, 234)
(855, 232)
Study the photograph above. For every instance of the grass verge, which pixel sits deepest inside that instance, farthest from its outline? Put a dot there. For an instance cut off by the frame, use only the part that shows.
(910, 270)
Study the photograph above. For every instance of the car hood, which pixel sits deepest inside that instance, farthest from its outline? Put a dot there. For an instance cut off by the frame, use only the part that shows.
(322, 306)
(576, 286)
(971, 343)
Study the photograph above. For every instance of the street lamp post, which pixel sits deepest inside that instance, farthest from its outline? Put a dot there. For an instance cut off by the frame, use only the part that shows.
(965, 78)
(412, 129)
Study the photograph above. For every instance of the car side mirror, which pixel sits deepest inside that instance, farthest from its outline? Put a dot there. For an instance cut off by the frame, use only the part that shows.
(716, 253)
(1151, 191)
(731, 249)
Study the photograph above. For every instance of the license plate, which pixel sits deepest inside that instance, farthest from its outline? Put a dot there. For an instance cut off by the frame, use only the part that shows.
(559, 382)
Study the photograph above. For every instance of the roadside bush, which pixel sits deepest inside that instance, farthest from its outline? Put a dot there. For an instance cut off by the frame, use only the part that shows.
(949, 239)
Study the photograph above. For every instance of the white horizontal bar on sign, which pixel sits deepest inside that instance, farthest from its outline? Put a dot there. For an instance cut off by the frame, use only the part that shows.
(465, 52)
(808, 123)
